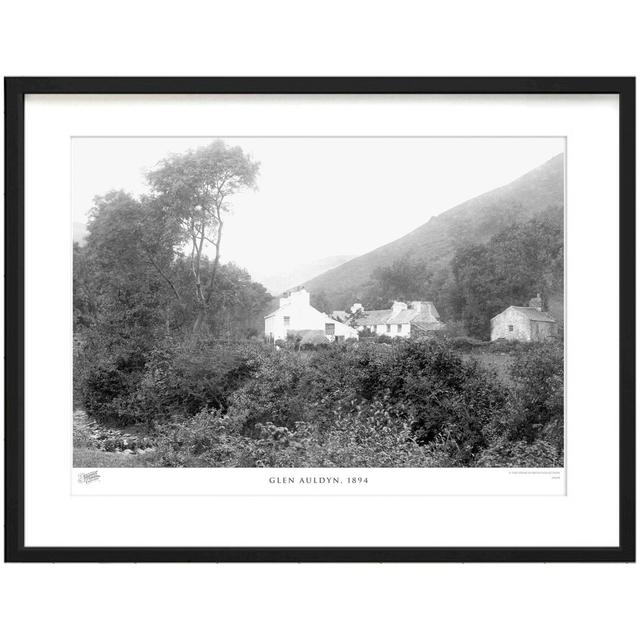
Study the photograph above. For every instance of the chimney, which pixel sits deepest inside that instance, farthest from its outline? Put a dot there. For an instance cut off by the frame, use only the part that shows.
(417, 305)
(397, 307)
(536, 302)
(300, 296)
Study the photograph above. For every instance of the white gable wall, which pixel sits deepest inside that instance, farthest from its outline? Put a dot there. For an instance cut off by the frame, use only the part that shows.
(511, 325)
(302, 316)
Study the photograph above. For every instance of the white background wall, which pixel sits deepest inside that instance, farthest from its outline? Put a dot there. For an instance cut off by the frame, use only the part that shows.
(334, 38)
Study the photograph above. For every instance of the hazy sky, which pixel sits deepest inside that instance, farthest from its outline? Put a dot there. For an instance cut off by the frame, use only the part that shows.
(320, 197)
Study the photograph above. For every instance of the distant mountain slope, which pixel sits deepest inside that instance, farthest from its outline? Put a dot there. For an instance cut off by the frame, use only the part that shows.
(279, 282)
(538, 193)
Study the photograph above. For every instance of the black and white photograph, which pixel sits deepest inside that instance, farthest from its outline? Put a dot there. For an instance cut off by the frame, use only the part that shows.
(320, 302)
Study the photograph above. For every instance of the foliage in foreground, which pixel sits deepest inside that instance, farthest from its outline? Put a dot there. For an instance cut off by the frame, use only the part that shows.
(370, 436)
(412, 403)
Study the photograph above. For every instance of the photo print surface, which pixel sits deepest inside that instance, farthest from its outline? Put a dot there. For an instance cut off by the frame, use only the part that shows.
(318, 302)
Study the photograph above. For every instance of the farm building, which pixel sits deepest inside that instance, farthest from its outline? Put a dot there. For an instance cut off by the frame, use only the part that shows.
(526, 324)
(295, 315)
(402, 320)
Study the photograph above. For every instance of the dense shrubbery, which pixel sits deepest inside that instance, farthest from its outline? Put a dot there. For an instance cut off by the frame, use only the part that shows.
(367, 436)
(412, 403)
(533, 434)
(539, 397)
(172, 379)
(504, 453)
(182, 379)
(109, 388)
(465, 344)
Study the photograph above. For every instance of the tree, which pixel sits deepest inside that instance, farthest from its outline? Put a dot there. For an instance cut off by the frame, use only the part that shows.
(238, 304)
(520, 261)
(403, 280)
(473, 270)
(125, 301)
(196, 187)
(354, 317)
(130, 257)
(320, 302)
(84, 295)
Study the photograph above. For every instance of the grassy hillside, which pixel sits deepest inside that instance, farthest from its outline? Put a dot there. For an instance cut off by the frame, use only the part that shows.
(537, 194)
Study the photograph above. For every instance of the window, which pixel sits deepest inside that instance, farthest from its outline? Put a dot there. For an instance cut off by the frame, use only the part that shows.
(388, 328)
(399, 329)
(510, 327)
(330, 329)
(287, 321)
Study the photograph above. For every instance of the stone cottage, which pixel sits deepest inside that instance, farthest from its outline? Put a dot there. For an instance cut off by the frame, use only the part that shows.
(526, 324)
(402, 320)
(295, 315)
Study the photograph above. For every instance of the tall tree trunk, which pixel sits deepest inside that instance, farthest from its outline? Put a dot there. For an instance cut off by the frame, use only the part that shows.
(216, 261)
(200, 324)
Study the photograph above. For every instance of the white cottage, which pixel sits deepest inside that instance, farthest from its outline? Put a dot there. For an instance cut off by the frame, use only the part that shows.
(526, 324)
(402, 320)
(295, 315)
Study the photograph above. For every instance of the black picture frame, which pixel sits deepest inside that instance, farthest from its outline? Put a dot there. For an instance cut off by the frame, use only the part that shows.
(15, 91)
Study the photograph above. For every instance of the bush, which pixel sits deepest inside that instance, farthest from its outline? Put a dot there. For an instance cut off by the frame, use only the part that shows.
(440, 397)
(369, 436)
(466, 344)
(425, 383)
(108, 389)
(269, 394)
(444, 397)
(538, 374)
(511, 347)
(183, 378)
(419, 402)
(504, 453)
(531, 434)
(174, 379)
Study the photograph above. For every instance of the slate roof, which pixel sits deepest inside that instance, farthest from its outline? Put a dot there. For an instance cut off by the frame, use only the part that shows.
(533, 314)
(411, 315)
(379, 316)
(404, 316)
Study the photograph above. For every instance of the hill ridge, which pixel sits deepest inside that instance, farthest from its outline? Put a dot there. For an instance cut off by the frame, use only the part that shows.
(537, 193)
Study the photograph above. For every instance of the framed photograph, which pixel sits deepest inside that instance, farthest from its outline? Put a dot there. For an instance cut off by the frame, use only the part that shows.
(320, 319)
